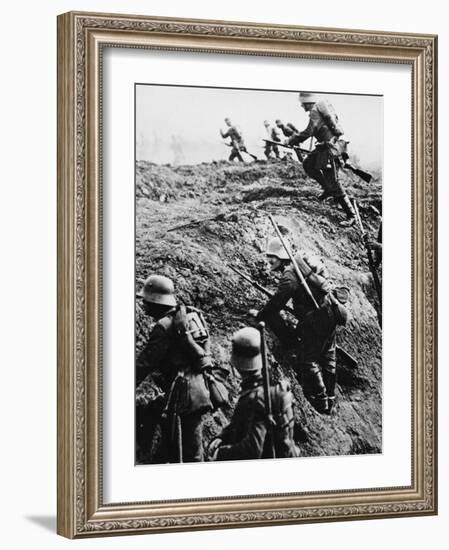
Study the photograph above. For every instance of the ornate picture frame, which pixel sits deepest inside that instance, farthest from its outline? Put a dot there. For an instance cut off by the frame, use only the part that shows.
(82, 40)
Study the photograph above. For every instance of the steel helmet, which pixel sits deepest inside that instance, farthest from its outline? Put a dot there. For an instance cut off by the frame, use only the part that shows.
(276, 248)
(246, 356)
(158, 289)
(307, 97)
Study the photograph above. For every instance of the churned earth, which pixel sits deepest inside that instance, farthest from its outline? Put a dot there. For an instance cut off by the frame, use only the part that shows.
(193, 222)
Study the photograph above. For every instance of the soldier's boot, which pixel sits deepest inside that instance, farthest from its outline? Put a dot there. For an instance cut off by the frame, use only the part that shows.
(314, 387)
(330, 188)
(319, 177)
(330, 380)
(348, 209)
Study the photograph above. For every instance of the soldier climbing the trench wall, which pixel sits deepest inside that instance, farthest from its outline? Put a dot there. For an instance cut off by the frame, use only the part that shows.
(323, 163)
(316, 328)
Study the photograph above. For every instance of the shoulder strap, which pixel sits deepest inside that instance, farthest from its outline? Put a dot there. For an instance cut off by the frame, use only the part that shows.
(167, 321)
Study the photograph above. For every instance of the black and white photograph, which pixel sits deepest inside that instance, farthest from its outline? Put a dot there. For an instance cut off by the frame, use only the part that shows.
(258, 273)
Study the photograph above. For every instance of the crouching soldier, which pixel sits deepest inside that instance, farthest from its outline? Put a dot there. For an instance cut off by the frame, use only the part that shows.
(252, 433)
(175, 358)
(316, 329)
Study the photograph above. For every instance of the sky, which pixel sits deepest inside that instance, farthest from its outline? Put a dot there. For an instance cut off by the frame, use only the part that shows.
(181, 125)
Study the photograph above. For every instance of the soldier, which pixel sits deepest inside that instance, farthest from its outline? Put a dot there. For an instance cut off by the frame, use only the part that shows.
(273, 134)
(237, 142)
(287, 129)
(246, 437)
(322, 163)
(176, 355)
(316, 328)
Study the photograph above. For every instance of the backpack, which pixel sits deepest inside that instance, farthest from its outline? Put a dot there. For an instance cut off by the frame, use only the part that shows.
(196, 324)
(208, 376)
(330, 117)
(283, 415)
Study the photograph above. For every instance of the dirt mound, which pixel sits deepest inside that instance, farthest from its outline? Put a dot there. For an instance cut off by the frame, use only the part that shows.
(195, 221)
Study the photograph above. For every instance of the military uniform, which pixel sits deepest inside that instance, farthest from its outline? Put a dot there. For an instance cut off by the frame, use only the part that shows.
(288, 131)
(237, 142)
(316, 328)
(274, 134)
(175, 363)
(246, 436)
(322, 163)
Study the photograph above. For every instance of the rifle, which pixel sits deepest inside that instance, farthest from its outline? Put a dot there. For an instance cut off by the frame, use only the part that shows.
(173, 419)
(369, 252)
(295, 265)
(241, 150)
(344, 356)
(295, 148)
(195, 222)
(266, 391)
(349, 359)
(360, 173)
(259, 287)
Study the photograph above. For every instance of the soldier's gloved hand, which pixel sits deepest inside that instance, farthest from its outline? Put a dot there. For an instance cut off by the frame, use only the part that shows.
(212, 450)
(253, 312)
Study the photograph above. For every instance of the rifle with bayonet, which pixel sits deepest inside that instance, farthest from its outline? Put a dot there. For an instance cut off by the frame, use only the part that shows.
(266, 391)
(365, 176)
(259, 287)
(343, 355)
(350, 360)
(371, 262)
